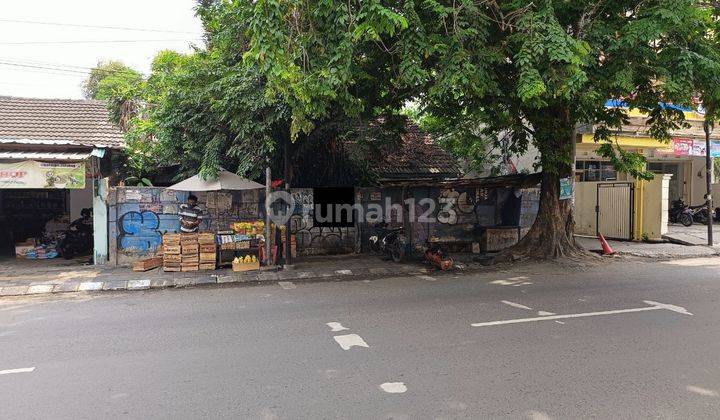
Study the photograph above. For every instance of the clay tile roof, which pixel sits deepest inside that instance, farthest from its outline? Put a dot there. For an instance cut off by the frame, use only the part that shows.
(417, 157)
(42, 121)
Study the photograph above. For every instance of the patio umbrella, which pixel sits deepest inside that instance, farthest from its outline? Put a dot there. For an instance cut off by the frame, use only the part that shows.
(225, 181)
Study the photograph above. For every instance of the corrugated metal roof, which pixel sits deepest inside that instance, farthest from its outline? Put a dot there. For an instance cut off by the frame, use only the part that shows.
(44, 155)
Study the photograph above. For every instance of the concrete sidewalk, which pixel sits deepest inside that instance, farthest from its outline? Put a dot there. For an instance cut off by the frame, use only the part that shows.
(664, 250)
(25, 278)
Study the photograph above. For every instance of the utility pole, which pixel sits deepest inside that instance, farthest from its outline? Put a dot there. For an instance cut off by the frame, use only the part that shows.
(268, 191)
(708, 180)
(286, 169)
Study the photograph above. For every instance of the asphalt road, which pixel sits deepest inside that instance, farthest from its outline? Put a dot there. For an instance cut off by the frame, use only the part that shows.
(268, 352)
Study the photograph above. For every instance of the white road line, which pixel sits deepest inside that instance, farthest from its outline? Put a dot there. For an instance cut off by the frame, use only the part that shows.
(545, 313)
(426, 278)
(516, 305)
(653, 306)
(21, 370)
(350, 340)
(287, 285)
(394, 387)
(560, 322)
(336, 326)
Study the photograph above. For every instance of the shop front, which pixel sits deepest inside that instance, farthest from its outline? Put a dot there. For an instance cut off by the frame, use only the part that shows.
(40, 199)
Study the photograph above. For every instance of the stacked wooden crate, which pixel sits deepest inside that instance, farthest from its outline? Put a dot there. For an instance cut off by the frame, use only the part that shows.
(206, 244)
(172, 258)
(190, 250)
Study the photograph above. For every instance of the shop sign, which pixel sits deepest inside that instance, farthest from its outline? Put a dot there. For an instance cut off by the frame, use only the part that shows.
(566, 188)
(682, 147)
(698, 148)
(33, 174)
(715, 148)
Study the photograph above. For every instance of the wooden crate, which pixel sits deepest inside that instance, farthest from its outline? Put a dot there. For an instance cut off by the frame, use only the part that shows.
(194, 267)
(172, 268)
(242, 245)
(207, 266)
(190, 249)
(186, 236)
(206, 238)
(147, 264)
(172, 258)
(207, 248)
(171, 250)
(207, 256)
(237, 266)
(190, 258)
(171, 238)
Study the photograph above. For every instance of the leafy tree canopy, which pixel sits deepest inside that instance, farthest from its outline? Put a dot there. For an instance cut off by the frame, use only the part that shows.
(531, 71)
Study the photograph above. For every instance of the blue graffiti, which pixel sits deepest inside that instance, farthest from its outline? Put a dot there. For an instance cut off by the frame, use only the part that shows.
(139, 231)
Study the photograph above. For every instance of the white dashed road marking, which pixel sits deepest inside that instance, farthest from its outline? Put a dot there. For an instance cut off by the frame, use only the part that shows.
(394, 387)
(545, 313)
(653, 307)
(350, 340)
(336, 326)
(516, 305)
(426, 278)
(21, 370)
(287, 285)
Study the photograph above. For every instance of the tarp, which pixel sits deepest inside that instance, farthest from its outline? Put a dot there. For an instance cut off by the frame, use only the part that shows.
(226, 181)
(34, 174)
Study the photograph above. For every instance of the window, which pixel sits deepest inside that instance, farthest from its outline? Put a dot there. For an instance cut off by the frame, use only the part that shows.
(594, 171)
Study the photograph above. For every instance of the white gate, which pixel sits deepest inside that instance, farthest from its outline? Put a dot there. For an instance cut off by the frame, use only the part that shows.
(615, 210)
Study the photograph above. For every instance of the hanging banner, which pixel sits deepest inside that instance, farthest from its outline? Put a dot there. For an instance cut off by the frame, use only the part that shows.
(698, 148)
(682, 147)
(32, 174)
(715, 148)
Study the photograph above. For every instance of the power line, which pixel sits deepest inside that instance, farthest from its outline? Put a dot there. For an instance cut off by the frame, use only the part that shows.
(76, 25)
(58, 66)
(96, 41)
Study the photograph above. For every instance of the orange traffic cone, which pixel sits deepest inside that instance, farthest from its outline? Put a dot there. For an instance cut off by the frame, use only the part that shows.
(606, 249)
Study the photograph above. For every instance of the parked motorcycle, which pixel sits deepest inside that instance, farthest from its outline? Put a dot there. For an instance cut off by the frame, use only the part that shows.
(681, 213)
(699, 214)
(74, 242)
(388, 241)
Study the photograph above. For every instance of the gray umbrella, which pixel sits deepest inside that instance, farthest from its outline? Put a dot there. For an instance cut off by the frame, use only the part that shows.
(225, 181)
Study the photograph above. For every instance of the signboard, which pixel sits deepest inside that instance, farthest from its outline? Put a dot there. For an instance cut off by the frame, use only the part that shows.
(715, 148)
(33, 174)
(698, 148)
(682, 147)
(566, 188)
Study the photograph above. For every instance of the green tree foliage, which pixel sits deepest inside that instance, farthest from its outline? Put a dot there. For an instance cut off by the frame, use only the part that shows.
(531, 71)
(104, 70)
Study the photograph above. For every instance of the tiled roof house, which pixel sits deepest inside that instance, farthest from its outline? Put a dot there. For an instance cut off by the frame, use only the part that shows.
(54, 128)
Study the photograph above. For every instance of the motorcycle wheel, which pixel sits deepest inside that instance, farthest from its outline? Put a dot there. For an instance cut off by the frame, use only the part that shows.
(686, 219)
(397, 251)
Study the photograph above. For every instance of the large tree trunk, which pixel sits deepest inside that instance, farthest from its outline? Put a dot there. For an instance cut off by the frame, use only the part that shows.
(551, 236)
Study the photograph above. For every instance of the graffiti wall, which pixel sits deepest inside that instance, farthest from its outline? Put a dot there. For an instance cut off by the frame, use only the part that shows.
(138, 217)
(456, 215)
(315, 240)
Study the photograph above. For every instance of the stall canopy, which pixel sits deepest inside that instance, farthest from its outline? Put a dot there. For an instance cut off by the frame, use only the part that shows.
(226, 180)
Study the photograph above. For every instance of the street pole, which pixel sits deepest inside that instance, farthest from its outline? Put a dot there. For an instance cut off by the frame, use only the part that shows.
(286, 169)
(708, 181)
(268, 191)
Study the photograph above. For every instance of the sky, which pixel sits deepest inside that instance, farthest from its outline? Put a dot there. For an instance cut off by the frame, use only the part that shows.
(28, 49)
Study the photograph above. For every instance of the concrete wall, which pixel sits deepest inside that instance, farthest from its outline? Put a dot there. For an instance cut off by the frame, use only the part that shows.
(80, 199)
(651, 213)
(697, 185)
